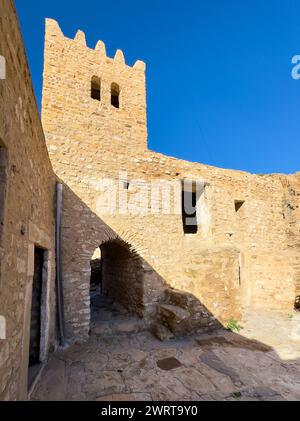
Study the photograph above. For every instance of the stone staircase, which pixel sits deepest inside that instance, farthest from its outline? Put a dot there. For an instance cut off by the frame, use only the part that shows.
(181, 314)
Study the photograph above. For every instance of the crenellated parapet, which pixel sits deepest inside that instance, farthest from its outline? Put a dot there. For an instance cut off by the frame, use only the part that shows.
(53, 30)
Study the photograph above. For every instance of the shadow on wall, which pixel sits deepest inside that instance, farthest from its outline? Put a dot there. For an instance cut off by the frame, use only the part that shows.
(127, 278)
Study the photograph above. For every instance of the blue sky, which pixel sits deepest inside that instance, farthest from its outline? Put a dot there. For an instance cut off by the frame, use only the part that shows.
(219, 85)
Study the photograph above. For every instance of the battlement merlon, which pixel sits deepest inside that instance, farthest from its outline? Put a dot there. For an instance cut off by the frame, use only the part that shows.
(53, 31)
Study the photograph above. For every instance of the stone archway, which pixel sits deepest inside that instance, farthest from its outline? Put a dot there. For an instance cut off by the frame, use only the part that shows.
(82, 233)
(123, 278)
(117, 289)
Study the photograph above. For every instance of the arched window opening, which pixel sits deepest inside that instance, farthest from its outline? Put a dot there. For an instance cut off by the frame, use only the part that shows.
(96, 88)
(115, 95)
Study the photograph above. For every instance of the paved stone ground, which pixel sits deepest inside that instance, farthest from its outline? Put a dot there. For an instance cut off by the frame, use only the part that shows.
(221, 366)
(110, 318)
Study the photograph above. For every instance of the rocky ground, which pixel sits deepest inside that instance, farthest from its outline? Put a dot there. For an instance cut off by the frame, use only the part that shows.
(262, 362)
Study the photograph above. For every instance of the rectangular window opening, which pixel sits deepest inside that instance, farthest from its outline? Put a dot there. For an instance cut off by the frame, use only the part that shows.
(189, 209)
(115, 95)
(96, 88)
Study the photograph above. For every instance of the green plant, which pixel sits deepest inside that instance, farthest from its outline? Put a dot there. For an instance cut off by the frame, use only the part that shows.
(234, 326)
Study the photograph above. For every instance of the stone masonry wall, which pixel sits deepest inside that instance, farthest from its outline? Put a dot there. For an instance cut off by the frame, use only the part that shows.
(215, 280)
(292, 214)
(27, 192)
(90, 140)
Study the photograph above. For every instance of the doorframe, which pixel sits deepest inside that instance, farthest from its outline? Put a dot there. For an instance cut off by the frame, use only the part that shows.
(37, 238)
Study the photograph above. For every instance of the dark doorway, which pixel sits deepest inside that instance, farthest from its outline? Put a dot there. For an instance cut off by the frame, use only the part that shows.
(96, 288)
(35, 323)
(96, 274)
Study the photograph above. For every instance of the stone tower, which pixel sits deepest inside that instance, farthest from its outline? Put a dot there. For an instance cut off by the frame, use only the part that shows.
(92, 105)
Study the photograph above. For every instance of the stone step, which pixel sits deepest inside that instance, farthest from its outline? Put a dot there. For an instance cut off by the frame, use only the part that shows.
(117, 327)
(175, 318)
(183, 314)
(184, 300)
(173, 311)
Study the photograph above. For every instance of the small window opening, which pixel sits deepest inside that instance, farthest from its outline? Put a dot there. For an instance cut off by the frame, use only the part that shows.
(126, 185)
(297, 303)
(189, 208)
(96, 88)
(238, 204)
(115, 95)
